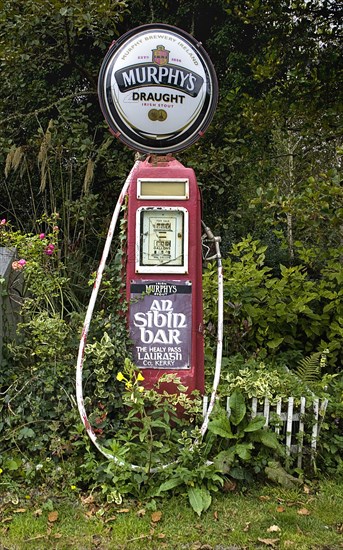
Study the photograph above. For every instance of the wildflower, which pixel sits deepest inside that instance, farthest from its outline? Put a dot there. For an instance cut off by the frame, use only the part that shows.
(1, 470)
(3, 222)
(56, 228)
(73, 487)
(120, 376)
(49, 249)
(140, 377)
(42, 236)
(18, 265)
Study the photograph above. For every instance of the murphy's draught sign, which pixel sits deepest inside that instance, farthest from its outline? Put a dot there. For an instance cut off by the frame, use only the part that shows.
(158, 89)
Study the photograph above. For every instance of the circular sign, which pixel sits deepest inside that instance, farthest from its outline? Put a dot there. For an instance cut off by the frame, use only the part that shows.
(158, 89)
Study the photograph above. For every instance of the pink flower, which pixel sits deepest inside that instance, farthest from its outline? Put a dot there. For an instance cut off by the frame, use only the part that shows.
(49, 249)
(42, 236)
(3, 222)
(18, 265)
(56, 228)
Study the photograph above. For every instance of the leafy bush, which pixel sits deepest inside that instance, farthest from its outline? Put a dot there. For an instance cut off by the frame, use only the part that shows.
(282, 318)
(156, 450)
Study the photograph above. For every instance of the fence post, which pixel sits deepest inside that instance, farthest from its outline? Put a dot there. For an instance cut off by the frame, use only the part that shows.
(10, 296)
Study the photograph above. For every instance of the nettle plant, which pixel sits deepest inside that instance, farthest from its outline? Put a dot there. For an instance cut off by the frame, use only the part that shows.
(244, 445)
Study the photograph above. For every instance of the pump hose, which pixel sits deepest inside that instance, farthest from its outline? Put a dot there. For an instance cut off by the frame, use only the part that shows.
(88, 317)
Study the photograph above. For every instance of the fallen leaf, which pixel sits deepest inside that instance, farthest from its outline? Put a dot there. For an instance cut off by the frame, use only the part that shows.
(339, 527)
(161, 536)
(280, 509)
(87, 500)
(215, 515)
(53, 516)
(156, 516)
(247, 526)
(19, 511)
(303, 512)
(229, 486)
(37, 512)
(7, 519)
(123, 510)
(141, 513)
(113, 518)
(96, 539)
(269, 542)
(57, 535)
(35, 538)
(273, 529)
(307, 489)
(264, 498)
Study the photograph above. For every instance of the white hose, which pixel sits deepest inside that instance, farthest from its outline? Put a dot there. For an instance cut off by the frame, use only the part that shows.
(89, 314)
(219, 353)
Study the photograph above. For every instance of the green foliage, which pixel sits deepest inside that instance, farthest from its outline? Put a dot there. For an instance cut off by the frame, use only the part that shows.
(246, 443)
(331, 438)
(39, 420)
(309, 368)
(269, 166)
(276, 314)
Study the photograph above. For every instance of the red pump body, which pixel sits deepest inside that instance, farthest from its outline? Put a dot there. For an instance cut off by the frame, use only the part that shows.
(164, 272)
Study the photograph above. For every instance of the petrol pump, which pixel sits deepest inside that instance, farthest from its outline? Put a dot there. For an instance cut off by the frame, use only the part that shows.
(164, 272)
(158, 93)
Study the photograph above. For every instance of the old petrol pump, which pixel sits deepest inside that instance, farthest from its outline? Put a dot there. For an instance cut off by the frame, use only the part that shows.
(164, 272)
(158, 92)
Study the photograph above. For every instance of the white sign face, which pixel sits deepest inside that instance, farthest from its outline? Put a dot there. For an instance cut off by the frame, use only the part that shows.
(157, 89)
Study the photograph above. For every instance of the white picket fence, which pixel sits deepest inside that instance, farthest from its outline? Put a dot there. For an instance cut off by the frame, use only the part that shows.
(288, 421)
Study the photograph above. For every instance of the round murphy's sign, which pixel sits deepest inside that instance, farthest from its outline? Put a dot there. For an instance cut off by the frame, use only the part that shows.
(158, 89)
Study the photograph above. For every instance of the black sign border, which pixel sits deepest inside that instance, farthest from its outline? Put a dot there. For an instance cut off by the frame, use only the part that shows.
(161, 146)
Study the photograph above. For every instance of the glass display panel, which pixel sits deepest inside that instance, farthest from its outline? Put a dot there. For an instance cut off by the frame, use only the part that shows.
(162, 238)
(166, 189)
